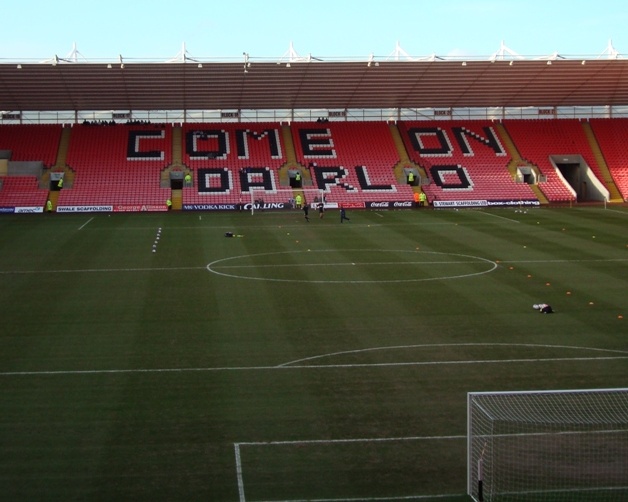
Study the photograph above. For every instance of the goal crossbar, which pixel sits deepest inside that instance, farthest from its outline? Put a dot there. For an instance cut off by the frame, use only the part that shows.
(283, 198)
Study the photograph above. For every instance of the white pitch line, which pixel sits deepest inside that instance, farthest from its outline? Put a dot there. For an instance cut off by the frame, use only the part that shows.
(624, 213)
(85, 224)
(457, 345)
(212, 267)
(549, 262)
(305, 367)
(167, 269)
(605, 209)
(345, 264)
(498, 216)
(349, 440)
(239, 473)
(467, 362)
(372, 499)
(98, 270)
(236, 446)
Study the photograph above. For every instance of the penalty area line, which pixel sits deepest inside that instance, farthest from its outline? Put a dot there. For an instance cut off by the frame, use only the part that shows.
(372, 499)
(350, 440)
(240, 472)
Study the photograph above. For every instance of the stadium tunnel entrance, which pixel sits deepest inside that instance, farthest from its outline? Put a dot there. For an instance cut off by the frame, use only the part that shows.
(176, 179)
(581, 178)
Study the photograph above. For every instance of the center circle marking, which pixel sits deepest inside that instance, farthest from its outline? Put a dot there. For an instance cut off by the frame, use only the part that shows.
(225, 266)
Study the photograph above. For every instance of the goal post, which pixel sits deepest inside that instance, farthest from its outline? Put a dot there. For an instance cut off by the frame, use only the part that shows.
(283, 198)
(569, 445)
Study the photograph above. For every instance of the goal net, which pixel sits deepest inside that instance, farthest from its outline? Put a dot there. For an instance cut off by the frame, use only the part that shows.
(554, 446)
(284, 198)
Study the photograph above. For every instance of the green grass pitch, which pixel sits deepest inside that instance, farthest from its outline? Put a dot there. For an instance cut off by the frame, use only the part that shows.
(299, 361)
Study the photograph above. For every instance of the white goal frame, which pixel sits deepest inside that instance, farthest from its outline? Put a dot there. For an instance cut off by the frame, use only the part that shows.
(567, 445)
(309, 195)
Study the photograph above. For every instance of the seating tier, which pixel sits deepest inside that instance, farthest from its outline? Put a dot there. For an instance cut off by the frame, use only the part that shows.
(22, 191)
(118, 164)
(465, 160)
(612, 137)
(539, 140)
(229, 159)
(31, 142)
(353, 162)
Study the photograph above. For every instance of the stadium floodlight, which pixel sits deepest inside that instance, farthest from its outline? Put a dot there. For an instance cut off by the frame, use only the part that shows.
(569, 445)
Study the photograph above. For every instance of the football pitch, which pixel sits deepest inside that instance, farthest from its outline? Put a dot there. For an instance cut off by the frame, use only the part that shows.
(149, 357)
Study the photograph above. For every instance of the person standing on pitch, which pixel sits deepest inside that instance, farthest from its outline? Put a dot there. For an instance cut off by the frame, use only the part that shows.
(343, 214)
(321, 210)
(422, 199)
(306, 211)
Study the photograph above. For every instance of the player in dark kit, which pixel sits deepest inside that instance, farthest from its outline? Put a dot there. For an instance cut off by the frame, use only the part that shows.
(306, 211)
(343, 215)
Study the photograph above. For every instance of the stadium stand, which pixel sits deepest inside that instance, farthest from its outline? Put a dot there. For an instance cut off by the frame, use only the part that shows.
(21, 191)
(465, 160)
(118, 165)
(230, 159)
(612, 137)
(26, 151)
(31, 142)
(538, 141)
(352, 161)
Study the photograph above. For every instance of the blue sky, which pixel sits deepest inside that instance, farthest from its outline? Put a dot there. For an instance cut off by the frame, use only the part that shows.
(156, 30)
